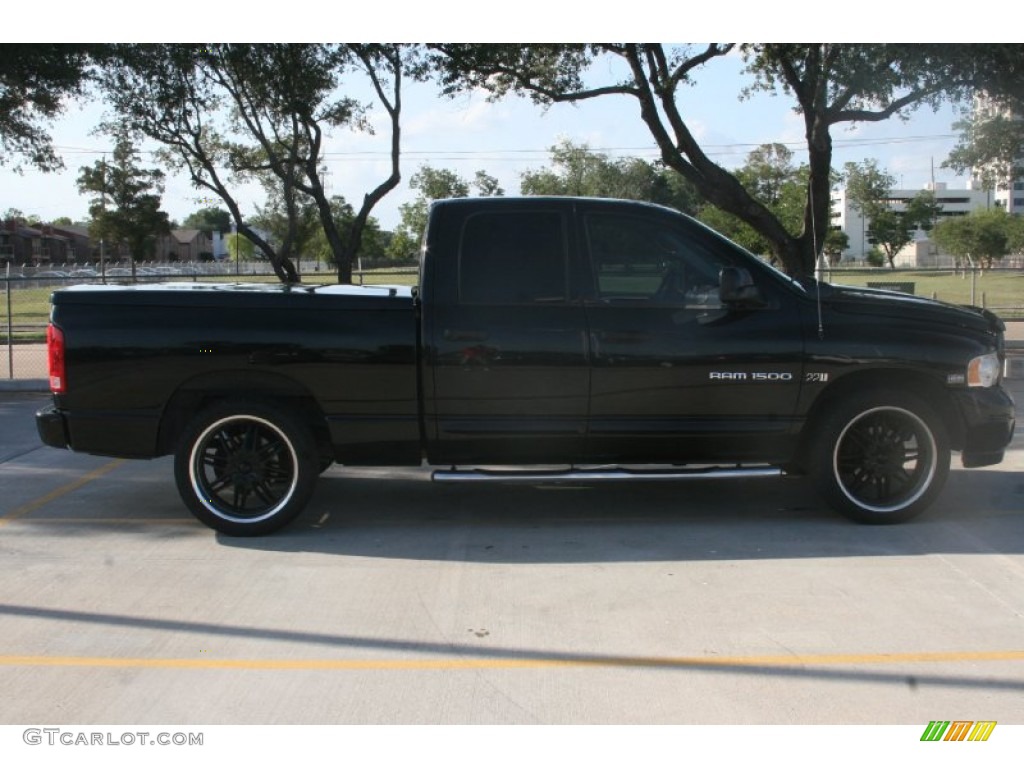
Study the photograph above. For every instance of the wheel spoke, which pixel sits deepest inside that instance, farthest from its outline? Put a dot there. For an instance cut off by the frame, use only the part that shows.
(219, 483)
(265, 494)
(272, 449)
(278, 474)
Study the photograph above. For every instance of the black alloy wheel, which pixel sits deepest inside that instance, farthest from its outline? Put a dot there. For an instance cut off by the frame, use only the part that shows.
(246, 469)
(881, 457)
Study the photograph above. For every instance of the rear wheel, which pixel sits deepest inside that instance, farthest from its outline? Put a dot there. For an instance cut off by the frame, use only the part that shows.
(881, 457)
(246, 469)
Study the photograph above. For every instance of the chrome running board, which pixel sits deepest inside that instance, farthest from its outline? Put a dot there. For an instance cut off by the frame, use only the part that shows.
(597, 475)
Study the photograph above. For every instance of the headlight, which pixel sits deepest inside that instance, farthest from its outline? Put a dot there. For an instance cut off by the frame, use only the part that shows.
(983, 371)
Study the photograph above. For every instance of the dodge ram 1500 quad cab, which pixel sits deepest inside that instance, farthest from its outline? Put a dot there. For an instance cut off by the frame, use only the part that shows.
(612, 339)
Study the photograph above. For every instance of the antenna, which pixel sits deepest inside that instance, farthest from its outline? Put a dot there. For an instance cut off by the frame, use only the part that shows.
(817, 256)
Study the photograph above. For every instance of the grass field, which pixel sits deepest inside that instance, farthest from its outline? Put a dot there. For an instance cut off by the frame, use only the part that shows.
(30, 300)
(1000, 290)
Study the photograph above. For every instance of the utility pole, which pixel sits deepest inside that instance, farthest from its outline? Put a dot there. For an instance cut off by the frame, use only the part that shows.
(325, 181)
(234, 231)
(103, 208)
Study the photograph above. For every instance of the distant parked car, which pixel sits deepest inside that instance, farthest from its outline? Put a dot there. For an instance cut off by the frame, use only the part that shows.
(119, 272)
(84, 273)
(52, 273)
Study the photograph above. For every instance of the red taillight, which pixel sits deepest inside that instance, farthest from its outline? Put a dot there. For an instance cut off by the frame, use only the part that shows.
(55, 354)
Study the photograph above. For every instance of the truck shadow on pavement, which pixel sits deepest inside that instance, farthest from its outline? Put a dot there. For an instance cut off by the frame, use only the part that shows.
(404, 516)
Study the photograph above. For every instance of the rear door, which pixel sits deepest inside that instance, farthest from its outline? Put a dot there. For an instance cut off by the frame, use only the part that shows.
(507, 376)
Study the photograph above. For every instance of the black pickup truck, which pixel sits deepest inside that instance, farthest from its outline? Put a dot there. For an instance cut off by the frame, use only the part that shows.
(549, 339)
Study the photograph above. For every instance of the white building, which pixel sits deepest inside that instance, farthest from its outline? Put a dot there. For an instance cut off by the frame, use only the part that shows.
(1011, 198)
(1008, 194)
(921, 252)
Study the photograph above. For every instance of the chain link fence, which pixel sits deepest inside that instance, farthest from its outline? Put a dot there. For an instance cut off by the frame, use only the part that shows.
(26, 299)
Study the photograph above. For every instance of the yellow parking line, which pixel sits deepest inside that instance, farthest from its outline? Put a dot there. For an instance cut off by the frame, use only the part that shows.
(695, 662)
(115, 520)
(64, 490)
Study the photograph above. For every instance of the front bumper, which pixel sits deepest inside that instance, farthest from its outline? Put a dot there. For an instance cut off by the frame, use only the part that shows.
(989, 421)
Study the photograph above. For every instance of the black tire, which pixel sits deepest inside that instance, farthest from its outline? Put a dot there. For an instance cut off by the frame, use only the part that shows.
(246, 468)
(880, 456)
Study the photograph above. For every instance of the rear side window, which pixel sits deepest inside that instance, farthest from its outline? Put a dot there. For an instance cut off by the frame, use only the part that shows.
(513, 258)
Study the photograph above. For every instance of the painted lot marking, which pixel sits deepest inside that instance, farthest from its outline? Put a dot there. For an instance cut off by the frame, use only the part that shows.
(512, 663)
(64, 490)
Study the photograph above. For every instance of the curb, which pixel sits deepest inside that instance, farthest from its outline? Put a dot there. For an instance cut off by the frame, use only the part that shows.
(24, 385)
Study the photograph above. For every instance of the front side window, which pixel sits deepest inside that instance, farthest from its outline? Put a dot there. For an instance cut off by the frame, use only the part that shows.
(513, 258)
(640, 261)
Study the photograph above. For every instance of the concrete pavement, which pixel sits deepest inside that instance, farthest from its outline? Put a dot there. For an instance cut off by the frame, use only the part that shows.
(394, 600)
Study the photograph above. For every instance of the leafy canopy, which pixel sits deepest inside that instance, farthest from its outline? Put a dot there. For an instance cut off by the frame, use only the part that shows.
(829, 84)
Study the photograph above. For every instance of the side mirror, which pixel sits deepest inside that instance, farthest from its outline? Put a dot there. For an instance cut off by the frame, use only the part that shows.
(736, 288)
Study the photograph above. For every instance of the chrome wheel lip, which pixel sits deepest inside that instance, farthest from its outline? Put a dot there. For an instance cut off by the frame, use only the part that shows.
(197, 482)
(927, 449)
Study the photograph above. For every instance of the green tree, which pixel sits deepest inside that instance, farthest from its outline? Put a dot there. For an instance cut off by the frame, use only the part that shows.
(240, 247)
(990, 144)
(575, 169)
(773, 178)
(1015, 238)
(285, 97)
(868, 187)
(836, 241)
(374, 241)
(831, 85)
(281, 102)
(486, 185)
(433, 184)
(291, 221)
(165, 92)
(980, 237)
(889, 231)
(893, 230)
(923, 210)
(125, 206)
(208, 220)
(36, 83)
(870, 192)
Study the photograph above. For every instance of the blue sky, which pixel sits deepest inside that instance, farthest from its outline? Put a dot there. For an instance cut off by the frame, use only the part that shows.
(469, 133)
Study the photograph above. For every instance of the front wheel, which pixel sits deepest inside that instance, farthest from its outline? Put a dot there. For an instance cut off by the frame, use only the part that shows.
(246, 469)
(881, 457)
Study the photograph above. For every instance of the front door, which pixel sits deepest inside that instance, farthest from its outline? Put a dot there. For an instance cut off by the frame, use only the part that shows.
(676, 375)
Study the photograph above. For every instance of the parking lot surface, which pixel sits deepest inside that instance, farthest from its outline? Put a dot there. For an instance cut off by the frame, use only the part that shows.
(394, 600)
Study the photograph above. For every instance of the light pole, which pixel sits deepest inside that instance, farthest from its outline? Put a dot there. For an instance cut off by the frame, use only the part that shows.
(234, 231)
(103, 207)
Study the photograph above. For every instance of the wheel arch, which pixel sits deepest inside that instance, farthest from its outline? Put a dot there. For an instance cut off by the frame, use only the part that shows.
(892, 379)
(201, 392)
